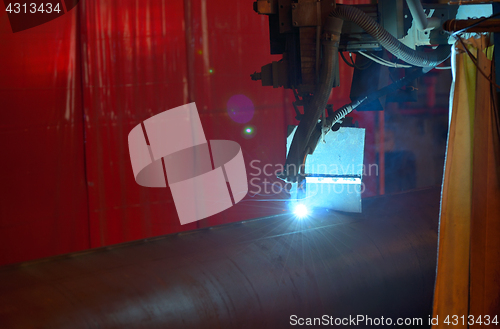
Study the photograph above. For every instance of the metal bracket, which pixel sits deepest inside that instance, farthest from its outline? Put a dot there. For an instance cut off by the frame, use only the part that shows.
(305, 13)
(266, 7)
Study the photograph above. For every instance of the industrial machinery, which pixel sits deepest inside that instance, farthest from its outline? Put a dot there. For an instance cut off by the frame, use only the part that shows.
(278, 271)
(312, 36)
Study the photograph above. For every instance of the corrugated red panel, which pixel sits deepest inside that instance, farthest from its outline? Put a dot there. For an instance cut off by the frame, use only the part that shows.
(137, 63)
(134, 66)
(43, 207)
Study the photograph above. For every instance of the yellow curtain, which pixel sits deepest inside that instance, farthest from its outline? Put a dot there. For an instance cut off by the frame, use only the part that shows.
(468, 274)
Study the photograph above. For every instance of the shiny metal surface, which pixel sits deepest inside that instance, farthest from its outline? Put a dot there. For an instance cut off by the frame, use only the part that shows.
(336, 167)
(253, 274)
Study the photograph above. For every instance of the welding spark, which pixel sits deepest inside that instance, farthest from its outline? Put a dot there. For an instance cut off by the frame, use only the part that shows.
(300, 211)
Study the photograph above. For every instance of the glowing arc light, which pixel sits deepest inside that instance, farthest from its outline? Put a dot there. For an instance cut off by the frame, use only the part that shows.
(301, 211)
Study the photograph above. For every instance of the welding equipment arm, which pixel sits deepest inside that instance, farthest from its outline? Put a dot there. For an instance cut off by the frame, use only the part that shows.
(297, 152)
(332, 28)
(338, 115)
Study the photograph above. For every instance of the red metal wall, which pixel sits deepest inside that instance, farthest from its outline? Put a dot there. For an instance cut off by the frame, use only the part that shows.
(73, 88)
(43, 207)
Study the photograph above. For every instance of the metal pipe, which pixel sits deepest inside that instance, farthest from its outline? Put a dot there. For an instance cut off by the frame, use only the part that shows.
(472, 25)
(253, 274)
(419, 16)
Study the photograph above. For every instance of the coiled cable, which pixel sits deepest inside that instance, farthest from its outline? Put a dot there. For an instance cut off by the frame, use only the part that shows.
(389, 42)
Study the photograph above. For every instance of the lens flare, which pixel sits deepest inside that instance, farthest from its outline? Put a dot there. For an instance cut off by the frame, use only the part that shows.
(240, 108)
(300, 211)
(248, 132)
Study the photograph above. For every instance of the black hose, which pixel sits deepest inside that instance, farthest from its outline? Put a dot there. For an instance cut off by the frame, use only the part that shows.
(389, 42)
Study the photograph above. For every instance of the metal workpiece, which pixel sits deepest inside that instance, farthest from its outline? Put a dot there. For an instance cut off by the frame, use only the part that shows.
(333, 172)
(252, 274)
